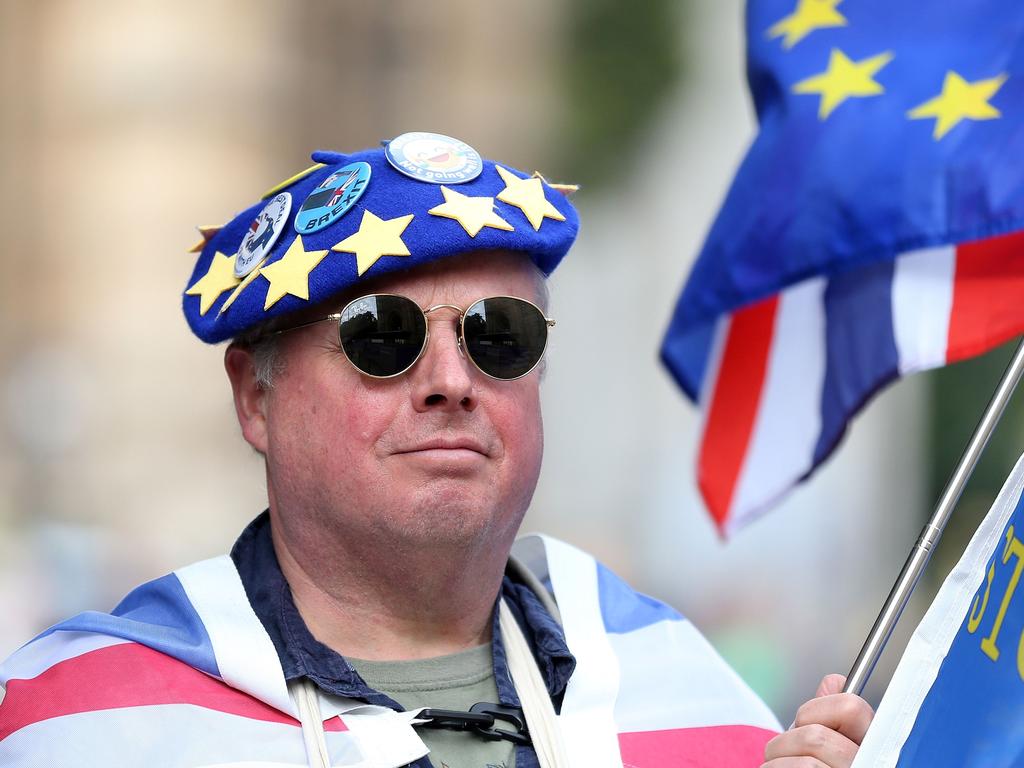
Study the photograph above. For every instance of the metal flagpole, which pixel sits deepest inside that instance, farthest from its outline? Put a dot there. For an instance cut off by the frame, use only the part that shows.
(918, 559)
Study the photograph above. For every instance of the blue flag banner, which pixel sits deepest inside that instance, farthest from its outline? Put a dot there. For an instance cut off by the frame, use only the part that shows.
(957, 697)
(881, 202)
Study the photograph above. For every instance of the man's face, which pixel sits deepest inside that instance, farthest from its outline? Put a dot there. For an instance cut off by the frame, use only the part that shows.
(441, 453)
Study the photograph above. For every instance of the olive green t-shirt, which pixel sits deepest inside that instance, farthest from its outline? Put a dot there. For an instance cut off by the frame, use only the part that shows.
(455, 682)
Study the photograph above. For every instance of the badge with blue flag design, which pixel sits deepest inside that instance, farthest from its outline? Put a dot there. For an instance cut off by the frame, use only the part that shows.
(262, 234)
(332, 198)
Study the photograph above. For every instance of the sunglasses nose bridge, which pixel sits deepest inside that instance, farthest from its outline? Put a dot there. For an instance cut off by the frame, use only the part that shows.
(460, 317)
(436, 307)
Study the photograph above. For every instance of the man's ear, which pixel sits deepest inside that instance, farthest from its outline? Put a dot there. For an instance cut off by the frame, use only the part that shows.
(250, 397)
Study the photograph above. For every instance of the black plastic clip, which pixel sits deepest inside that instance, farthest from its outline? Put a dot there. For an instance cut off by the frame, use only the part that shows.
(480, 719)
(512, 715)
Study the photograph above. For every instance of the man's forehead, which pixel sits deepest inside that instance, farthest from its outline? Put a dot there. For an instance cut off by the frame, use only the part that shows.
(467, 276)
(458, 280)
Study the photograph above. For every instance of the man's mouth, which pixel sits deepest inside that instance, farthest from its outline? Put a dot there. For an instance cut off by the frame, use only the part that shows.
(442, 446)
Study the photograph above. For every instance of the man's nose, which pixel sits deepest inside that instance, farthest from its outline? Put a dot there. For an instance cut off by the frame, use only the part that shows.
(443, 377)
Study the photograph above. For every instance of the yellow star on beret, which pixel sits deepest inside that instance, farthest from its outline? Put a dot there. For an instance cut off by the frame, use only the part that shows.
(528, 196)
(290, 273)
(473, 213)
(246, 281)
(376, 237)
(219, 277)
(206, 231)
(291, 180)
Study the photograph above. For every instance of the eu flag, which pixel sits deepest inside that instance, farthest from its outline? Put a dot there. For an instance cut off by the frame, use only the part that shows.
(871, 230)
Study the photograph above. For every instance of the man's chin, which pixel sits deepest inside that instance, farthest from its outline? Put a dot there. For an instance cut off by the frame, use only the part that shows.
(450, 514)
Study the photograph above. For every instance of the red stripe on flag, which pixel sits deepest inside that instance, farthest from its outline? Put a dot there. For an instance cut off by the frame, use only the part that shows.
(734, 404)
(719, 746)
(335, 724)
(988, 296)
(125, 675)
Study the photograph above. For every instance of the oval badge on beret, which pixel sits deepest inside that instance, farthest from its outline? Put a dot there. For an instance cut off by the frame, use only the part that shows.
(434, 158)
(333, 197)
(262, 234)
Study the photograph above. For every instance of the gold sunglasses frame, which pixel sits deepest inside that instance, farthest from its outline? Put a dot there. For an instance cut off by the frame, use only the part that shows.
(337, 316)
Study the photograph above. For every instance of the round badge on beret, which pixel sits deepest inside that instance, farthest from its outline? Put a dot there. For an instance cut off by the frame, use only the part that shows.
(434, 158)
(333, 197)
(262, 234)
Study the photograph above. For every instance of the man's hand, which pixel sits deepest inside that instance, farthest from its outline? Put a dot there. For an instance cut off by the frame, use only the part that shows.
(826, 733)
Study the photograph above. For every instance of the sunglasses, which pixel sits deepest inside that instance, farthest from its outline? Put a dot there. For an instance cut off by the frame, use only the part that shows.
(383, 335)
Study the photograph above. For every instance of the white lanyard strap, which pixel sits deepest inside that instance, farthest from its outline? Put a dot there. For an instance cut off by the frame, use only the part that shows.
(533, 694)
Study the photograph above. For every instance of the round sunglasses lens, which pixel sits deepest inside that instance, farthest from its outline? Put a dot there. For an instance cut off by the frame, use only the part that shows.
(505, 336)
(382, 335)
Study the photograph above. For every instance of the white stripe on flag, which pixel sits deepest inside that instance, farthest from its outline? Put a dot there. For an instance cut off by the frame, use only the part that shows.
(788, 422)
(713, 366)
(245, 655)
(587, 718)
(160, 736)
(39, 655)
(922, 299)
(930, 642)
(672, 678)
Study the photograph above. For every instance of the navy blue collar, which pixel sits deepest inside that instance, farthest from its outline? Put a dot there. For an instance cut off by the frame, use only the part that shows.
(302, 655)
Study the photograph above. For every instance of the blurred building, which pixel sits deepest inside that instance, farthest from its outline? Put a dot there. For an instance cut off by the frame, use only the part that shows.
(127, 123)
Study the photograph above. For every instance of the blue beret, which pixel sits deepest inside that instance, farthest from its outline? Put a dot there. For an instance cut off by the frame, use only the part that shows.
(353, 217)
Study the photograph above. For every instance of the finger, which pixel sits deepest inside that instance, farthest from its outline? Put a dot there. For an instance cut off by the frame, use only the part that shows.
(812, 741)
(846, 713)
(830, 684)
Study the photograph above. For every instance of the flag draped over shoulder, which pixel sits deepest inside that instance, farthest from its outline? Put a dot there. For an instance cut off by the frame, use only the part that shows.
(873, 229)
(958, 692)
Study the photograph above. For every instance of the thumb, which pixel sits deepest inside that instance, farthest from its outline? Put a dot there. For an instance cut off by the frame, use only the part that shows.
(830, 684)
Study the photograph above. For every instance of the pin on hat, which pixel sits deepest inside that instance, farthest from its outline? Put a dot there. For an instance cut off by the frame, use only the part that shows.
(332, 198)
(434, 157)
(262, 234)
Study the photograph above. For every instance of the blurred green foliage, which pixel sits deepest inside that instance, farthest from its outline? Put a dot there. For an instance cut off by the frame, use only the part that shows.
(959, 395)
(622, 61)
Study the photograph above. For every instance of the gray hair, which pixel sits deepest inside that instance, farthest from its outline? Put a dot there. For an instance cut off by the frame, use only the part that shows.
(268, 363)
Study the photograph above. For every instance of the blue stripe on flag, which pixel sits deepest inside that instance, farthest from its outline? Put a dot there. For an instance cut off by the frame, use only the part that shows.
(686, 353)
(158, 615)
(623, 609)
(971, 717)
(860, 348)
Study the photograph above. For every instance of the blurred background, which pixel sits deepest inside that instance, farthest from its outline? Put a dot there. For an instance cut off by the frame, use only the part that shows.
(127, 123)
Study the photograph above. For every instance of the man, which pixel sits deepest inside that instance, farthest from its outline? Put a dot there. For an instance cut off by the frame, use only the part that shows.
(386, 363)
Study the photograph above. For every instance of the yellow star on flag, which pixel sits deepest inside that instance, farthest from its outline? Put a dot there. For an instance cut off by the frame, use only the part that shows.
(844, 79)
(290, 274)
(376, 237)
(473, 213)
(528, 196)
(958, 101)
(219, 277)
(808, 16)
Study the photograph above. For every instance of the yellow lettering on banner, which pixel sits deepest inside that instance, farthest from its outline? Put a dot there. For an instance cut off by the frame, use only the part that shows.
(974, 620)
(1020, 656)
(1013, 547)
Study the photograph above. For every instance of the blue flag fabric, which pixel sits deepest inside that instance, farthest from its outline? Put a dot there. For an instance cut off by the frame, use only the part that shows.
(875, 228)
(843, 171)
(957, 697)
